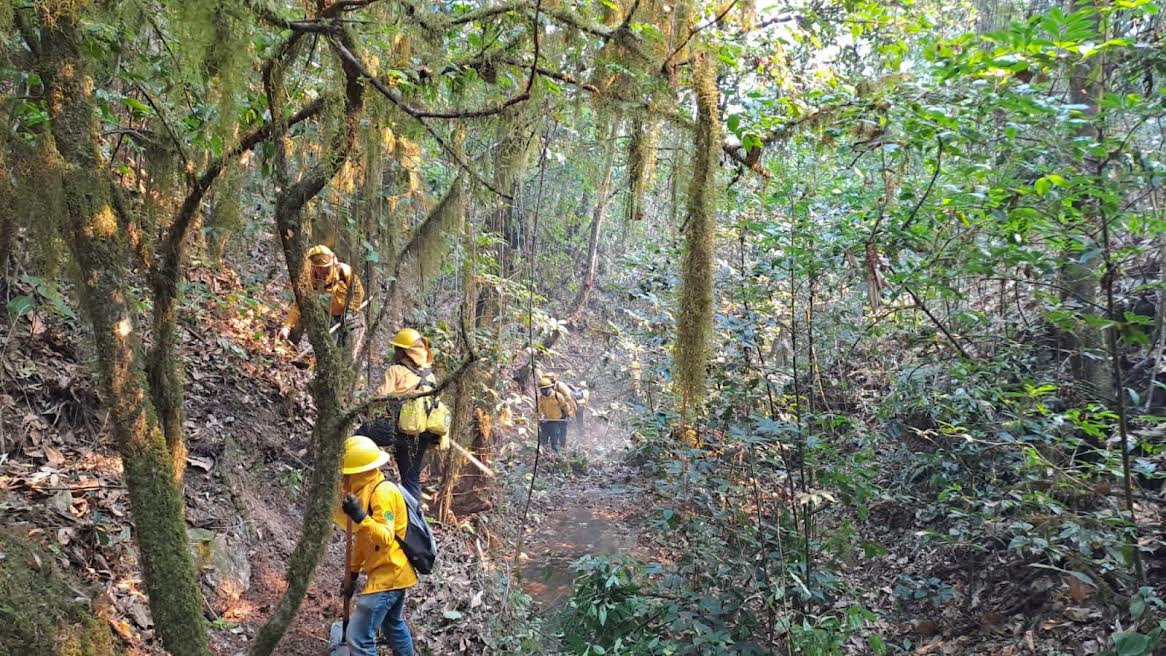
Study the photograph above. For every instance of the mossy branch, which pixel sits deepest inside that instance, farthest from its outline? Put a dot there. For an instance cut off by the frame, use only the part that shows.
(332, 372)
(162, 363)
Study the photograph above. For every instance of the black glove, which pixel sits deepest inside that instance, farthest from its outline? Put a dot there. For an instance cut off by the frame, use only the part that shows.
(348, 588)
(351, 507)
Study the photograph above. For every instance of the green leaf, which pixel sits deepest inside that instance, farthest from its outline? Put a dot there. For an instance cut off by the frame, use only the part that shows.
(20, 306)
(1131, 643)
(137, 107)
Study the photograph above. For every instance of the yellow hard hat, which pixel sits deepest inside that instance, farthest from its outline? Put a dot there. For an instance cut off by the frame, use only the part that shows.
(321, 256)
(405, 338)
(544, 382)
(361, 454)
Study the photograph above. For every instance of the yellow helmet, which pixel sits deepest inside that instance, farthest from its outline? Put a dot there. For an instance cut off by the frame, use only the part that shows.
(361, 454)
(405, 338)
(545, 381)
(321, 256)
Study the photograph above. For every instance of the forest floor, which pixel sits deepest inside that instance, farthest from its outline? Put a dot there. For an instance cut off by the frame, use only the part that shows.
(60, 482)
(246, 405)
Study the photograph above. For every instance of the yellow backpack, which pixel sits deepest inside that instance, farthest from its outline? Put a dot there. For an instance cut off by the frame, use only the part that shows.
(424, 414)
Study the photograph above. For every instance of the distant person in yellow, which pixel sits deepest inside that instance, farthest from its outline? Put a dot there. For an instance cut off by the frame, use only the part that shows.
(555, 408)
(338, 280)
(410, 373)
(379, 521)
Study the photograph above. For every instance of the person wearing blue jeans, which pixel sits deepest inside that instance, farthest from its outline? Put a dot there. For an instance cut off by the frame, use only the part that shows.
(375, 510)
(386, 611)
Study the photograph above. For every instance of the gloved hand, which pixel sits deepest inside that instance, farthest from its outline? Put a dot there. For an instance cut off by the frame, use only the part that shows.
(348, 588)
(284, 333)
(351, 507)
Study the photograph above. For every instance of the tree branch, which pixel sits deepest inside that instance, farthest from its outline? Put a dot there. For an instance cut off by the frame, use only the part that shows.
(369, 404)
(384, 90)
(930, 184)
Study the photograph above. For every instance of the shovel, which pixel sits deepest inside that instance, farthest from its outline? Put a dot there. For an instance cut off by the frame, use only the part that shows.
(338, 634)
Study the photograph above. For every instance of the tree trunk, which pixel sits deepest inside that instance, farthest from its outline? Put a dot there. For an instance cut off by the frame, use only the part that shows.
(467, 387)
(596, 228)
(474, 489)
(1084, 343)
(694, 321)
(102, 256)
(333, 374)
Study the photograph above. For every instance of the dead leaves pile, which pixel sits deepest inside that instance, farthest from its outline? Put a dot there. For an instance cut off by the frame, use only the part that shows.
(58, 483)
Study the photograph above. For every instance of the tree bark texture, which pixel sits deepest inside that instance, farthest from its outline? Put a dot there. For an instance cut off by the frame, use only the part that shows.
(102, 256)
(333, 374)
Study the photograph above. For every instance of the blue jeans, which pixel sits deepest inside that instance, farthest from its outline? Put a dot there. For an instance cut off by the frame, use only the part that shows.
(386, 611)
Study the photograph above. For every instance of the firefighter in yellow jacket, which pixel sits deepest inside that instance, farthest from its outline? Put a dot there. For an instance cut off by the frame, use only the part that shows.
(379, 519)
(332, 277)
(412, 361)
(555, 408)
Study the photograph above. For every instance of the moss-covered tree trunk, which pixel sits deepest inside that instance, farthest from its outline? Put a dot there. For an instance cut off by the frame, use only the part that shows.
(333, 375)
(92, 231)
(695, 319)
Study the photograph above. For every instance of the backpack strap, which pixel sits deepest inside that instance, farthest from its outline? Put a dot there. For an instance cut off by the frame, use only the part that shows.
(374, 491)
(369, 511)
(424, 377)
(423, 374)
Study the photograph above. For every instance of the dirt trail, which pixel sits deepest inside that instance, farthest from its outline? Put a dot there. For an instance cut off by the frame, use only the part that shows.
(586, 511)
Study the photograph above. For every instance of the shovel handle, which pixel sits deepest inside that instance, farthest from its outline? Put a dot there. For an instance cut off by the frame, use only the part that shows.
(474, 461)
(347, 573)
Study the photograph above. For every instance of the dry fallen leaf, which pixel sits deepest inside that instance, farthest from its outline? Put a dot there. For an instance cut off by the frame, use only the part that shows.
(205, 464)
(1078, 589)
(54, 456)
(122, 628)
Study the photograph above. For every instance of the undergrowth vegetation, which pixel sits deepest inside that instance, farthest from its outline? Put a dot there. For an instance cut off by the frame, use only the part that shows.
(875, 288)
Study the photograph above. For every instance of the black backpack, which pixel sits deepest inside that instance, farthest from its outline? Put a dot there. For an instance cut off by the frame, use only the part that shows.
(419, 546)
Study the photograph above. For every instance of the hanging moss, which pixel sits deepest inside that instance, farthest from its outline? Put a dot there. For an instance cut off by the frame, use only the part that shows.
(162, 178)
(676, 177)
(695, 318)
(421, 259)
(645, 136)
(228, 63)
(193, 23)
(747, 14)
(226, 213)
(31, 190)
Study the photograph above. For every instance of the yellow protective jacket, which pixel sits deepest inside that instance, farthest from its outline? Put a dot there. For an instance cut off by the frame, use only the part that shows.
(555, 404)
(376, 549)
(399, 380)
(336, 284)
